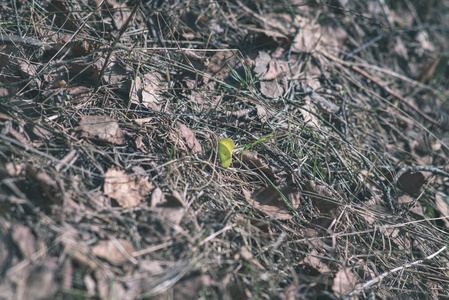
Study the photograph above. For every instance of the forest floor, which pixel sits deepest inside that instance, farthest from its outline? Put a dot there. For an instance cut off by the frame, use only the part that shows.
(116, 182)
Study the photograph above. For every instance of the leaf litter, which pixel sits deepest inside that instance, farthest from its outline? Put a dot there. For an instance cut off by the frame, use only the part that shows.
(111, 185)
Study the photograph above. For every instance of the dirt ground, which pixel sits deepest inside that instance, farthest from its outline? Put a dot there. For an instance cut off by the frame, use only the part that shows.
(233, 149)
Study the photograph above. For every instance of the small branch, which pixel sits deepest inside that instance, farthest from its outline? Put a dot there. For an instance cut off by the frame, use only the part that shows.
(385, 274)
(433, 170)
(387, 89)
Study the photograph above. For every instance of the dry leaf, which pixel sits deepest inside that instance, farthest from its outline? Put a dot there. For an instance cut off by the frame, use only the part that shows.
(190, 138)
(174, 215)
(40, 282)
(128, 191)
(24, 240)
(246, 254)
(408, 182)
(152, 267)
(312, 259)
(307, 39)
(153, 83)
(219, 66)
(344, 281)
(102, 129)
(262, 113)
(78, 94)
(268, 69)
(322, 197)
(251, 158)
(109, 250)
(274, 70)
(157, 197)
(262, 61)
(48, 185)
(188, 288)
(442, 204)
(270, 201)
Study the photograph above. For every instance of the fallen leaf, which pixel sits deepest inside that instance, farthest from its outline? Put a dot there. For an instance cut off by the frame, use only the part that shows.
(307, 39)
(262, 62)
(262, 113)
(153, 83)
(270, 201)
(442, 204)
(313, 259)
(40, 282)
(157, 197)
(344, 281)
(274, 70)
(190, 138)
(408, 182)
(24, 240)
(127, 190)
(323, 198)
(50, 187)
(188, 288)
(428, 70)
(252, 158)
(109, 250)
(246, 254)
(102, 129)
(267, 69)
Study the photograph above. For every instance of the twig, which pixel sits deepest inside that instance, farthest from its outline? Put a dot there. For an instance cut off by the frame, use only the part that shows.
(122, 30)
(403, 170)
(385, 274)
(387, 89)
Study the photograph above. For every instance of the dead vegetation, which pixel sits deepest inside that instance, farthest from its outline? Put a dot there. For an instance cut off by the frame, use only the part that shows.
(111, 185)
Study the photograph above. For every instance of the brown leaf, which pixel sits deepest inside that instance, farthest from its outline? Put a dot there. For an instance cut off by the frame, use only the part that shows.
(171, 214)
(408, 182)
(307, 39)
(153, 83)
(274, 70)
(219, 66)
(157, 197)
(102, 129)
(442, 204)
(78, 94)
(322, 197)
(246, 254)
(40, 282)
(262, 62)
(262, 113)
(110, 251)
(188, 288)
(428, 70)
(313, 259)
(48, 184)
(251, 158)
(24, 240)
(190, 138)
(344, 281)
(270, 201)
(128, 191)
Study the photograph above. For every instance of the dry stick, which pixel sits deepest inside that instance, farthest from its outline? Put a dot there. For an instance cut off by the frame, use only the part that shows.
(387, 89)
(434, 170)
(385, 274)
(403, 170)
(122, 30)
